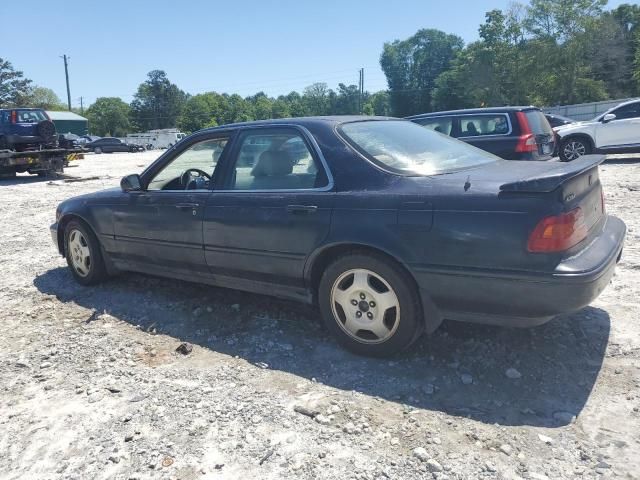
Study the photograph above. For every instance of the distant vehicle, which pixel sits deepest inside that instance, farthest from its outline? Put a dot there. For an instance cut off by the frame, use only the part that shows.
(615, 131)
(512, 133)
(386, 226)
(163, 138)
(24, 129)
(558, 120)
(112, 144)
(84, 139)
(69, 140)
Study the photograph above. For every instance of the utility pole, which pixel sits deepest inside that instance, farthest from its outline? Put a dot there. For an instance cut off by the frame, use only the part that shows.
(81, 107)
(66, 74)
(360, 89)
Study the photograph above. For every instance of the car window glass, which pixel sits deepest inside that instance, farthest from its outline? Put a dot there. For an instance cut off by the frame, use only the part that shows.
(628, 111)
(438, 124)
(478, 125)
(405, 147)
(277, 159)
(30, 116)
(192, 169)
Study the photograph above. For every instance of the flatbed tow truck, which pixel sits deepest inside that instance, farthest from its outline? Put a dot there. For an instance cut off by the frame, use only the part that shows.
(44, 163)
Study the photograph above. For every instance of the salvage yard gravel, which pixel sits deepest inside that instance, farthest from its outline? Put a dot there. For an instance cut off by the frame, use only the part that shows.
(143, 377)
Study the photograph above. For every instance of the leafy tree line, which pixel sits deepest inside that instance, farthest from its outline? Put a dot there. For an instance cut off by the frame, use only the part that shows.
(547, 52)
(158, 103)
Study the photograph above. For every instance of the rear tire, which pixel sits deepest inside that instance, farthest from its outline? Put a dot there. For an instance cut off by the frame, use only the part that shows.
(97, 150)
(370, 304)
(573, 148)
(84, 254)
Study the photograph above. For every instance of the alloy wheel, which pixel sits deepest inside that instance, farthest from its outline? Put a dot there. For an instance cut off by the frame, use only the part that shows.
(80, 253)
(574, 149)
(365, 306)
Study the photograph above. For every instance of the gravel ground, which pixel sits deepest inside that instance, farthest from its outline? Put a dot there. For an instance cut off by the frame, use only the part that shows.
(92, 385)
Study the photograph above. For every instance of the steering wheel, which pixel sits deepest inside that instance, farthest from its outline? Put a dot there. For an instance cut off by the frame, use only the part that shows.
(185, 178)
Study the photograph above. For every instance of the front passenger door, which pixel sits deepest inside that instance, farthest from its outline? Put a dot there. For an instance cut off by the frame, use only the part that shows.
(161, 226)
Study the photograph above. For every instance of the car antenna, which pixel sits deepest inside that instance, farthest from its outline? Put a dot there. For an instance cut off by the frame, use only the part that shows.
(467, 184)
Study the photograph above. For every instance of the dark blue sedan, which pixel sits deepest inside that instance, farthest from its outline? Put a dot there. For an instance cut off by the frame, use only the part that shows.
(388, 227)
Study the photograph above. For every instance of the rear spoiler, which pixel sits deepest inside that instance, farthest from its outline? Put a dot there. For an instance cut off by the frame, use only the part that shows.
(554, 176)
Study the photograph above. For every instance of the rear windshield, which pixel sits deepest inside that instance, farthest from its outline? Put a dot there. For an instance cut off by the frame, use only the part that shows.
(407, 148)
(538, 122)
(30, 116)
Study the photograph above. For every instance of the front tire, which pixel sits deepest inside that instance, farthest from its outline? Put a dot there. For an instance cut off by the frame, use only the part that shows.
(83, 253)
(573, 148)
(370, 304)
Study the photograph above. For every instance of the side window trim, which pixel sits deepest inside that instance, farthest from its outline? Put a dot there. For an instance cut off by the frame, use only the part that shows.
(307, 137)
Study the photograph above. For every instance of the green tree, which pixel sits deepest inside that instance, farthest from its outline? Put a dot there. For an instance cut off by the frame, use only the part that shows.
(109, 116)
(41, 97)
(158, 103)
(378, 103)
(262, 106)
(200, 111)
(13, 86)
(412, 66)
(316, 99)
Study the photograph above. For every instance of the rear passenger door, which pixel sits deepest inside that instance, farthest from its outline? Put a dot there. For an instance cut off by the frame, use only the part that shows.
(273, 209)
(489, 131)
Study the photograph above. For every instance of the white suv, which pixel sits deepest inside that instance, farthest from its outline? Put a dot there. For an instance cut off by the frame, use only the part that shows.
(615, 131)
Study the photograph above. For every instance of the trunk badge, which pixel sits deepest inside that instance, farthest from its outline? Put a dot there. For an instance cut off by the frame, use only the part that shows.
(569, 197)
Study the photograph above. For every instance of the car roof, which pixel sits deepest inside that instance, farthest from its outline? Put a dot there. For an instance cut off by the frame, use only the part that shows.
(473, 110)
(20, 108)
(303, 121)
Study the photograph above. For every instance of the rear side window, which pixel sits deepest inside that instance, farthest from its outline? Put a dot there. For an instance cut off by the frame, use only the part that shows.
(538, 123)
(437, 124)
(276, 159)
(484, 124)
(407, 148)
(30, 116)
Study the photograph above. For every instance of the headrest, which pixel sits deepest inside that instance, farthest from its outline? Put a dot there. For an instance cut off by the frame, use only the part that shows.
(272, 164)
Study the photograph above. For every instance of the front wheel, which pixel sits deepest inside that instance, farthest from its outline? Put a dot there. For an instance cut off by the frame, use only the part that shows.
(97, 150)
(574, 148)
(370, 304)
(83, 254)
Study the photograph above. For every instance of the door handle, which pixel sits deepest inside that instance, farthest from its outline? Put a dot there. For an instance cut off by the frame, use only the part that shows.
(302, 209)
(183, 206)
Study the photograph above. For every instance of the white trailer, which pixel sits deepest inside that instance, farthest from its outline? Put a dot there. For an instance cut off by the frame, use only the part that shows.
(162, 138)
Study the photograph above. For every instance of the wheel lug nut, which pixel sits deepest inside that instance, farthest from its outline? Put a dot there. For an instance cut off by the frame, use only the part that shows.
(358, 314)
(372, 304)
(369, 315)
(354, 302)
(363, 296)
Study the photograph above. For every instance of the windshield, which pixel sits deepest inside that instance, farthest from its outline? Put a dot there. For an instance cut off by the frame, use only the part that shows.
(405, 147)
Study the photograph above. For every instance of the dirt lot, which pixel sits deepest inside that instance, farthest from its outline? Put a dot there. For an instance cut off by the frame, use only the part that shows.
(92, 386)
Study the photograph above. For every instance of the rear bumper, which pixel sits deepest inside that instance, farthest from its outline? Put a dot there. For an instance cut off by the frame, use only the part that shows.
(527, 299)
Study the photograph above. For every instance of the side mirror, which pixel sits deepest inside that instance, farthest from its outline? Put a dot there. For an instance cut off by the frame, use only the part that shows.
(608, 117)
(131, 183)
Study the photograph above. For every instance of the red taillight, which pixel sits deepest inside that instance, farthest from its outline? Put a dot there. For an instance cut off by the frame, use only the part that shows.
(14, 116)
(527, 140)
(558, 232)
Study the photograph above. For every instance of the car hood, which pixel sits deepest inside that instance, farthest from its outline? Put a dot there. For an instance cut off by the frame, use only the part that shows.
(109, 193)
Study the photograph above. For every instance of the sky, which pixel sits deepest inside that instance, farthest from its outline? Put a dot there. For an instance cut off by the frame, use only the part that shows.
(235, 47)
